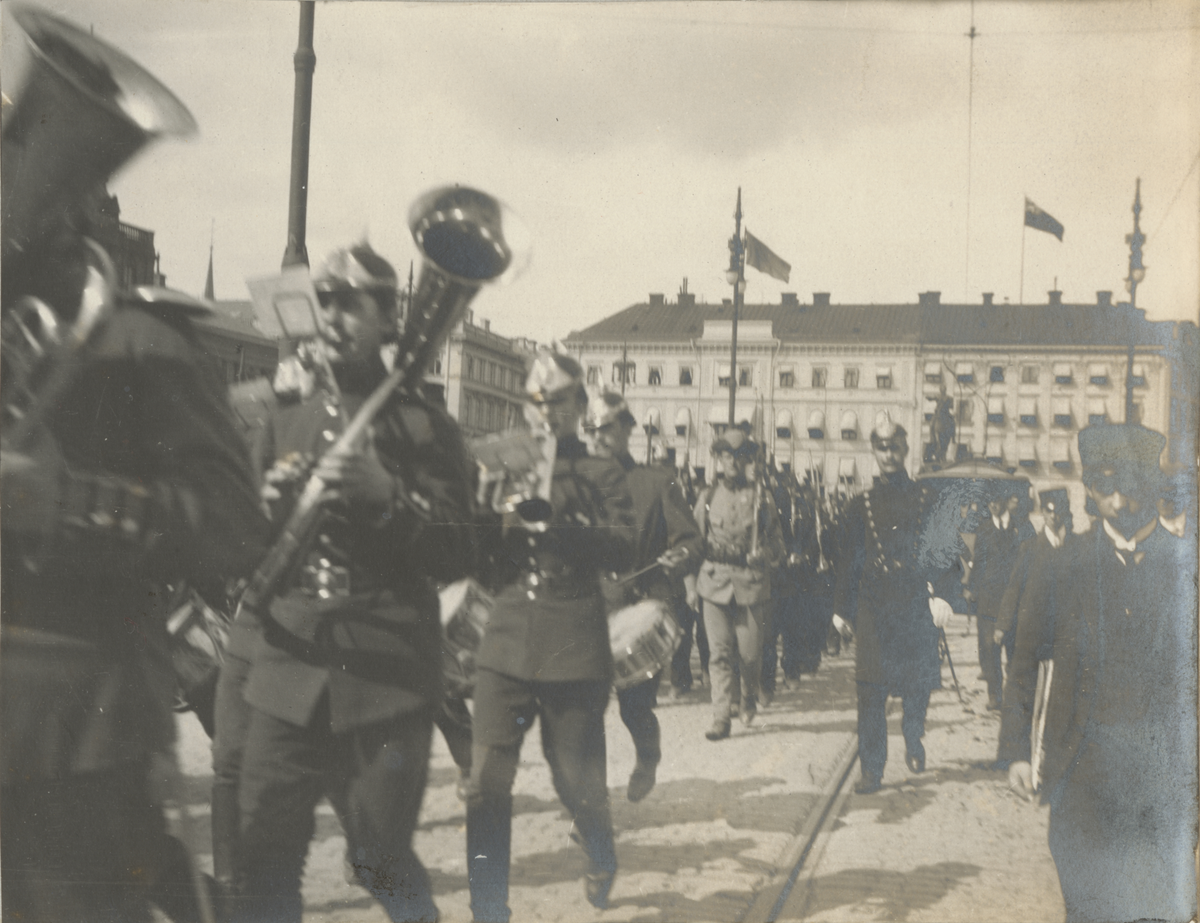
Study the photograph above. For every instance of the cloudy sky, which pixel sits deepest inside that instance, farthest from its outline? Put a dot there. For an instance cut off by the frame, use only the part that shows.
(867, 156)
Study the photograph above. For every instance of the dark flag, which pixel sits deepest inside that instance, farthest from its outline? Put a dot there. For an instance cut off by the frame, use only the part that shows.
(759, 256)
(1036, 218)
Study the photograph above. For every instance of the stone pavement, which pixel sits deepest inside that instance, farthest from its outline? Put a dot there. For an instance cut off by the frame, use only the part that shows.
(950, 844)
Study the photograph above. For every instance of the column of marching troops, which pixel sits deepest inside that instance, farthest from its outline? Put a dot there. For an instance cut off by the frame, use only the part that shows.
(127, 476)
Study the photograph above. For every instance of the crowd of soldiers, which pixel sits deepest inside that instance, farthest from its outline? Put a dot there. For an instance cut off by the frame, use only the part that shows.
(128, 475)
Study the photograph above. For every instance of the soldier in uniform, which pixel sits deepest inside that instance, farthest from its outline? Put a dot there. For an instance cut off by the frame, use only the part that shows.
(889, 558)
(121, 474)
(743, 542)
(1120, 729)
(546, 651)
(666, 533)
(344, 687)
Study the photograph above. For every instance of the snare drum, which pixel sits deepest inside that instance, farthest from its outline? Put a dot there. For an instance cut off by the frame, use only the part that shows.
(643, 637)
(465, 610)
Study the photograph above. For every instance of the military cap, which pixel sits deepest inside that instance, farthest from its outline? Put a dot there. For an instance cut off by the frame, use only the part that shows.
(1057, 500)
(552, 375)
(607, 407)
(1121, 445)
(736, 441)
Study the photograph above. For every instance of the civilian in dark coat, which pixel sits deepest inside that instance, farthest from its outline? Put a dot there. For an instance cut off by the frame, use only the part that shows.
(997, 543)
(1120, 735)
(887, 562)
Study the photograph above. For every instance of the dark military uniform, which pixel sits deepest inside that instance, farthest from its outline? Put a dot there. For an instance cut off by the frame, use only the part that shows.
(663, 523)
(158, 489)
(1120, 734)
(546, 654)
(890, 553)
(345, 684)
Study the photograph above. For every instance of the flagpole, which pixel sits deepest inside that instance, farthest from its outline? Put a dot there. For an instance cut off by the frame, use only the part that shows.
(1021, 299)
(736, 277)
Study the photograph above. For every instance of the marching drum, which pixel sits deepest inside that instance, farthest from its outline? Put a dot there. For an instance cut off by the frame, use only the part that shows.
(643, 637)
(465, 610)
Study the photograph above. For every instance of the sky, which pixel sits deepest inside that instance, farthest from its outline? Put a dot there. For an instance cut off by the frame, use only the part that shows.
(879, 150)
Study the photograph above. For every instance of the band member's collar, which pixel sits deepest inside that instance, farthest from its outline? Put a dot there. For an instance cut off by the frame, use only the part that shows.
(627, 461)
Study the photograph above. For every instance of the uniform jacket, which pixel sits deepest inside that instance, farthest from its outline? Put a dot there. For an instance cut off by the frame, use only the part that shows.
(1103, 687)
(663, 522)
(549, 622)
(726, 517)
(87, 682)
(890, 550)
(993, 561)
(377, 648)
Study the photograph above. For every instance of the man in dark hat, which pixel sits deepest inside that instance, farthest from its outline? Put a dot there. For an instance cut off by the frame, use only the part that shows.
(887, 563)
(997, 542)
(666, 534)
(1120, 726)
(743, 541)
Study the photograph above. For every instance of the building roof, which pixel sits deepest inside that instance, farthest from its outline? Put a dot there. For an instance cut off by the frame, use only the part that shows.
(235, 317)
(927, 323)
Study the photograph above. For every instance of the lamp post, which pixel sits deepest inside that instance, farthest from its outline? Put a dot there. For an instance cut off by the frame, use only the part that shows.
(305, 61)
(1137, 272)
(735, 276)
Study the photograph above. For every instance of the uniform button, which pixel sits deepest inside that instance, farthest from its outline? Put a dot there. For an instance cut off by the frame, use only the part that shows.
(1127, 612)
(531, 594)
(534, 580)
(331, 410)
(532, 541)
(329, 435)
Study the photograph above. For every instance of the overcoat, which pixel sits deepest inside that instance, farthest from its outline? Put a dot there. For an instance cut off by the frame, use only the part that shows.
(992, 563)
(888, 556)
(1120, 735)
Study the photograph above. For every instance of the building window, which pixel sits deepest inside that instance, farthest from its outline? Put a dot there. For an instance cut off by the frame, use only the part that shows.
(681, 429)
(1063, 374)
(624, 373)
(996, 374)
(883, 381)
(685, 374)
(964, 373)
(850, 378)
(723, 378)
(933, 373)
(1063, 420)
(593, 375)
(966, 412)
(1027, 412)
(745, 378)
(655, 375)
(1138, 378)
(470, 366)
(1029, 374)
(1097, 419)
(787, 378)
(819, 377)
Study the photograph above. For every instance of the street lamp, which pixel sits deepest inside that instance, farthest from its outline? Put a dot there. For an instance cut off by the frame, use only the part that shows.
(1137, 272)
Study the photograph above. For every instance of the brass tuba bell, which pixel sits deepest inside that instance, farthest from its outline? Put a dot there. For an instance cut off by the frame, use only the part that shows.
(84, 110)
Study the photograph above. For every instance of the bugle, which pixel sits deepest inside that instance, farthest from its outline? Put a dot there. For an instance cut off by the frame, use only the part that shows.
(460, 234)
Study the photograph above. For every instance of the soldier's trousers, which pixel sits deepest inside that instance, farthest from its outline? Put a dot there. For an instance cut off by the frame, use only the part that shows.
(681, 663)
(784, 623)
(872, 725)
(376, 777)
(734, 632)
(572, 724)
(637, 713)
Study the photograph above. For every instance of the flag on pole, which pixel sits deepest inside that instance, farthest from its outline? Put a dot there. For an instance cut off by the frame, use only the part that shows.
(1036, 218)
(759, 256)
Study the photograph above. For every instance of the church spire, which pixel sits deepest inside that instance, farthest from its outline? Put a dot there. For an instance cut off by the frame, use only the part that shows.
(208, 282)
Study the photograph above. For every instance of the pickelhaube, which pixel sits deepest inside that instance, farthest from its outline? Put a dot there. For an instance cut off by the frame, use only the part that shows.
(887, 429)
(606, 408)
(356, 267)
(552, 376)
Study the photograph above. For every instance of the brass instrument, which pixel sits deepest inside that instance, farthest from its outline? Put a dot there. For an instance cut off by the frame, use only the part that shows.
(85, 109)
(516, 470)
(460, 233)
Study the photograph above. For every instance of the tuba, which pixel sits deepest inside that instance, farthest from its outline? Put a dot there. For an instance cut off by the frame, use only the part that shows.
(516, 471)
(461, 235)
(85, 109)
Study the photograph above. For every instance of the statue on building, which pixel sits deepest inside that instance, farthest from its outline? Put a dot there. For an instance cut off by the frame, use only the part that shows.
(942, 427)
